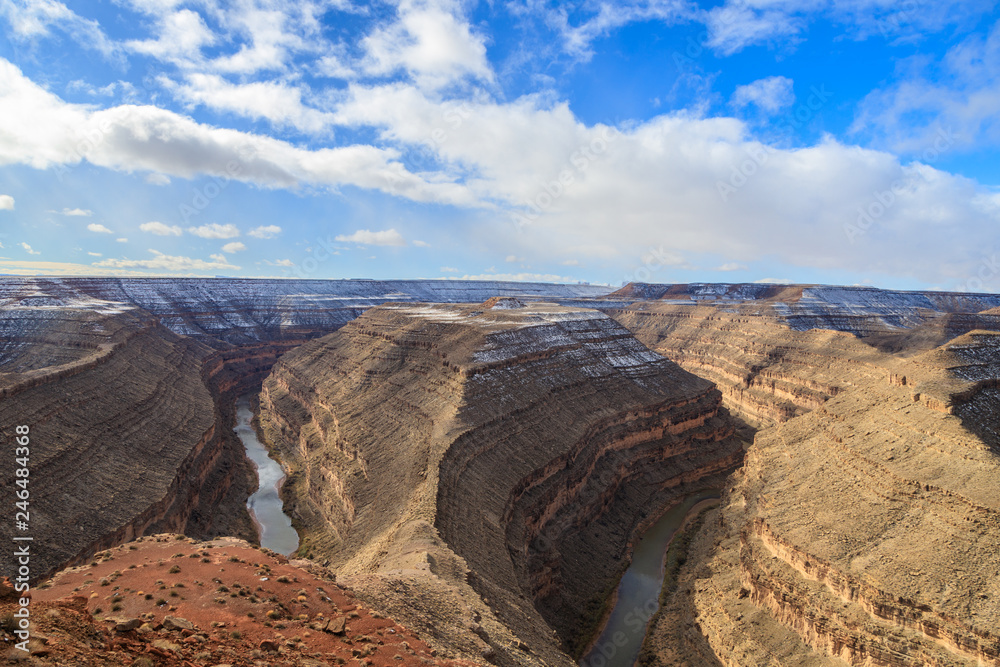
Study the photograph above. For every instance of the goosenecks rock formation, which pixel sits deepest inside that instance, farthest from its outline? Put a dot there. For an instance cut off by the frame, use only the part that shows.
(480, 470)
(864, 526)
(128, 387)
(125, 435)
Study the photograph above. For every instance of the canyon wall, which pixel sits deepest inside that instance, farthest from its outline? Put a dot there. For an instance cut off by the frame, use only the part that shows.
(129, 384)
(864, 526)
(124, 436)
(495, 460)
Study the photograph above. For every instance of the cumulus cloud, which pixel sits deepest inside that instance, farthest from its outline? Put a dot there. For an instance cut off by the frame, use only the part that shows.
(29, 249)
(770, 95)
(265, 231)
(233, 247)
(98, 228)
(157, 179)
(42, 131)
(122, 240)
(168, 263)
(281, 262)
(276, 102)
(215, 231)
(160, 229)
(388, 237)
(6, 203)
(558, 183)
(430, 40)
(421, 244)
(80, 212)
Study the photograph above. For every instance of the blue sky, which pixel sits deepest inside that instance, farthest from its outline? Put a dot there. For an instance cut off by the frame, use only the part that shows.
(837, 141)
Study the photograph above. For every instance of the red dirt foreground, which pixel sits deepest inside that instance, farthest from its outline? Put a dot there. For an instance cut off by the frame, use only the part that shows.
(170, 601)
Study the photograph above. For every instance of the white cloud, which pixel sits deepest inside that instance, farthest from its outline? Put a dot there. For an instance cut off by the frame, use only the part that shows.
(422, 244)
(448, 269)
(607, 16)
(731, 266)
(278, 103)
(430, 40)
(122, 240)
(157, 179)
(95, 254)
(770, 95)
(388, 237)
(168, 263)
(41, 130)
(98, 228)
(554, 179)
(939, 106)
(233, 247)
(6, 203)
(571, 262)
(265, 231)
(160, 229)
(215, 231)
(281, 262)
(79, 212)
(29, 249)
(31, 19)
(181, 36)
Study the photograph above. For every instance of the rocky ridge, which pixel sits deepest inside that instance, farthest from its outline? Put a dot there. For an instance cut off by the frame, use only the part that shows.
(469, 453)
(171, 601)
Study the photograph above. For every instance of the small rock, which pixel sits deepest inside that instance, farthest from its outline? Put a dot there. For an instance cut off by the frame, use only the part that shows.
(174, 623)
(165, 645)
(336, 626)
(268, 645)
(129, 625)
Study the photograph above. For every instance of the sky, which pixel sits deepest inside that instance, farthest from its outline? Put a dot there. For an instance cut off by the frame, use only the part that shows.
(808, 141)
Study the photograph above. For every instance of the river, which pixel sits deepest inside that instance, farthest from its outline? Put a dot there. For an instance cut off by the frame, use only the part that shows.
(639, 591)
(276, 532)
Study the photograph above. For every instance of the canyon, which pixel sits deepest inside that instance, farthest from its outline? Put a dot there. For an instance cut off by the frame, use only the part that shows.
(476, 460)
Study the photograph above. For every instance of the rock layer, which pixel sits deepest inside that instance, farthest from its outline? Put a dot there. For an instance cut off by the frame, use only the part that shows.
(865, 532)
(503, 455)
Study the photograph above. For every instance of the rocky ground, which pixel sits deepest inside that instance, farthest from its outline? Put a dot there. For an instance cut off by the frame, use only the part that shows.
(170, 601)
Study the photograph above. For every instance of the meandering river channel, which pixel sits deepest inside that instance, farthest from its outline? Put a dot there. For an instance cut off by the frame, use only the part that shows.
(276, 532)
(639, 591)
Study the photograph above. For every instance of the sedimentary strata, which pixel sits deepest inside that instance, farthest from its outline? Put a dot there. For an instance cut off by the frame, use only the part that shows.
(865, 532)
(498, 456)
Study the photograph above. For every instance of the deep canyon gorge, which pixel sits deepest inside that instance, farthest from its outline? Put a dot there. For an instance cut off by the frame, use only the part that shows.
(476, 460)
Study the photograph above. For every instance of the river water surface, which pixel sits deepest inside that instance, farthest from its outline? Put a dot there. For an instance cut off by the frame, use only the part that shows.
(276, 532)
(639, 591)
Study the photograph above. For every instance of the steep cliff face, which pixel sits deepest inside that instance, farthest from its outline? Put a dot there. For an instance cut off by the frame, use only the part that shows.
(778, 353)
(123, 430)
(866, 532)
(501, 454)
